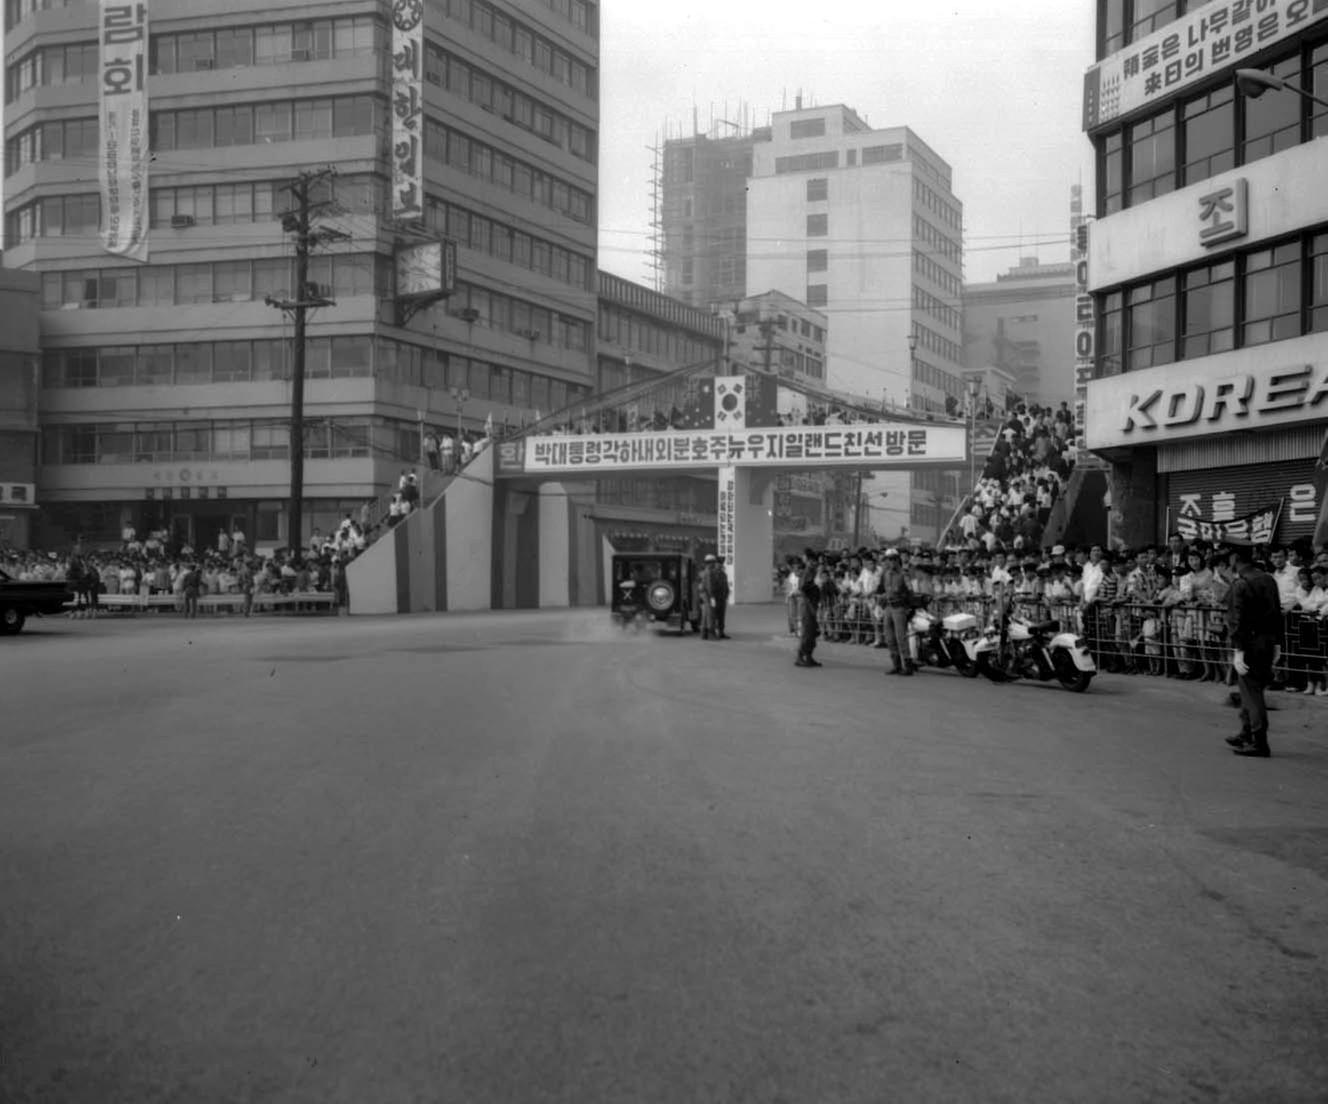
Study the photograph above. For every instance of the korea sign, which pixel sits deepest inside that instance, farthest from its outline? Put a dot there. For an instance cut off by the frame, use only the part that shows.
(1163, 405)
(888, 445)
(1212, 37)
(407, 110)
(122, 160)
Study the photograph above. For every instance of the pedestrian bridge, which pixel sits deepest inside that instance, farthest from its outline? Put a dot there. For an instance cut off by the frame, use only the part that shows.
(517, 530)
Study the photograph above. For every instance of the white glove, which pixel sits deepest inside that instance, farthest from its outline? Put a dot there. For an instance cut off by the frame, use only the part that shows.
(1238, 662)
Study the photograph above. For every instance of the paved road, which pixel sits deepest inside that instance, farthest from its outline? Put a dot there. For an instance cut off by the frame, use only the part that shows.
(515, 857)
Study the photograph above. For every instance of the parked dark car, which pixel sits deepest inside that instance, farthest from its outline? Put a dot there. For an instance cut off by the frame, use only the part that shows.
(20, 600)
(654, 588)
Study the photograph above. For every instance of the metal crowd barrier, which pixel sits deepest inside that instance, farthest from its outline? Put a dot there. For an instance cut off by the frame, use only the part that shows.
(1180, 641)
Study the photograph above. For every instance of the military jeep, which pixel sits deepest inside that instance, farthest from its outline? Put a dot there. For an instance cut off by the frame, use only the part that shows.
(654, 588)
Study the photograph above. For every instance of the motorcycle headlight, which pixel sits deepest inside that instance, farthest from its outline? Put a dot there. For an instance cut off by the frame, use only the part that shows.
(1080, 642)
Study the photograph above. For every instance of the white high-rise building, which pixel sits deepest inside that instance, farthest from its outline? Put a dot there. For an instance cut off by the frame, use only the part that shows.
(862, 224)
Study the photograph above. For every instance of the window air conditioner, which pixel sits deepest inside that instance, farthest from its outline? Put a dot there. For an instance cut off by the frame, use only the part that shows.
(181, 222)
(317, 291)
(531, 335)
(204, 63)
(299, 55)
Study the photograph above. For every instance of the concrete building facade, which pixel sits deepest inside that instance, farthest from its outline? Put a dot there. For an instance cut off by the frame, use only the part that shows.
(1208, 265)
(1023, 323)
(703, 216)
(20, 365)
(165, 385)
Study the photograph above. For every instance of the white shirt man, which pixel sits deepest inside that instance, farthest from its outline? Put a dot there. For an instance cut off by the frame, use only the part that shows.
(1092, 577)
(1286, 575)
(869, 579)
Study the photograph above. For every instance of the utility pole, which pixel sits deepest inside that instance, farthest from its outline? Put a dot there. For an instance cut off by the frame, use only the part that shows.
(305, 296)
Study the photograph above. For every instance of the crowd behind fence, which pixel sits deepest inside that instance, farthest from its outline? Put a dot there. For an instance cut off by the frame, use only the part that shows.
(1183, 641)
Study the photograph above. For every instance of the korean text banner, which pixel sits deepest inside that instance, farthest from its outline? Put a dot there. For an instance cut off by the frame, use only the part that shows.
(895, 444)
(122, 162)
(407, 110)
(1188, 50)
(1255, 528)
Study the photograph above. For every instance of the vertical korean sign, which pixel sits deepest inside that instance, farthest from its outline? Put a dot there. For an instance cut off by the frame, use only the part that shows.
(123, 129)
(407, 110)
(1083, 313)
(727, 537)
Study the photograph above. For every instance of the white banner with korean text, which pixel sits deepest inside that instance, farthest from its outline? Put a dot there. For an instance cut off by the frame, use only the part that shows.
(408, 111)
(122, 161)
(727, 537)
(887, 445)
(1188, 50)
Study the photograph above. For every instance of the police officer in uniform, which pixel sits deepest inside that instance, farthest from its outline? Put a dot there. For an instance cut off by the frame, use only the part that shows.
(809, 598)
(703, 598)
(1255, 624)
(718, 586)
(894, 592)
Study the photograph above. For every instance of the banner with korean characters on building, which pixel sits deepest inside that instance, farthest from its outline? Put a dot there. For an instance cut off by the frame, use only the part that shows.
(727, 535)
(1237, 500)
(887, 445)
(122, 160)
(407, 110)
(1184, 52)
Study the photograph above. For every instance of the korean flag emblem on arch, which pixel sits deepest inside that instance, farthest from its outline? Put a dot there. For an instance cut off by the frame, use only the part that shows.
(730, 402)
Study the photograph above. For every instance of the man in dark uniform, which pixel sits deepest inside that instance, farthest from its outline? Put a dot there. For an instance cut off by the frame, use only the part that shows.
(717, 585)
(809, 598)
(1255, 623)
(703, 598)
(894, 592)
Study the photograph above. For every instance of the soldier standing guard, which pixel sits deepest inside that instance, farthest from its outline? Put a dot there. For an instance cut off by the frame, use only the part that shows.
(719, 593)
(809, 597)
(894, 593)
(1255, 624)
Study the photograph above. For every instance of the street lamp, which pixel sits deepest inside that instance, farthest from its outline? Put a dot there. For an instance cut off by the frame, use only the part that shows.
(1255, 82)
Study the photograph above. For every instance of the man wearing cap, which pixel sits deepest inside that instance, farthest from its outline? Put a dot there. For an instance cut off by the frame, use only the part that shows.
(1255, 624)
(706, 598)
(894, 593)
(714, 599)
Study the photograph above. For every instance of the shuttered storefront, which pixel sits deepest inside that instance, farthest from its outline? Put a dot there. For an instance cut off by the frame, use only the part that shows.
(1221, 494)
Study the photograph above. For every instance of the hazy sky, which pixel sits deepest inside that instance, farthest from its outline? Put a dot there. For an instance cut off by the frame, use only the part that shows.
(993, 87)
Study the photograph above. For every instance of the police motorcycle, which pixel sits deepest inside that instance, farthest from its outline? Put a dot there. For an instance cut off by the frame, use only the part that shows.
(947, 641)
(1034, 649)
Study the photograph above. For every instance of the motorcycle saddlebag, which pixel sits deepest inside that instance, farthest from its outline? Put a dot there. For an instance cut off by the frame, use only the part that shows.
(959, 622)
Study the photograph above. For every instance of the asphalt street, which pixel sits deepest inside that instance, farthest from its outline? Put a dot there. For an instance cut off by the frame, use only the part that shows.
(521, 857)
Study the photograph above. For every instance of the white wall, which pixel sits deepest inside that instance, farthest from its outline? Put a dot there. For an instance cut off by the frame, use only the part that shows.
(554, 547)
(469, 504)
(1286, 192)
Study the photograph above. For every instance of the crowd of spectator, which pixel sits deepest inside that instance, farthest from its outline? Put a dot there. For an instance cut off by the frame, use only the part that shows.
(1030, 462)
(157, 566)
(1158, 610)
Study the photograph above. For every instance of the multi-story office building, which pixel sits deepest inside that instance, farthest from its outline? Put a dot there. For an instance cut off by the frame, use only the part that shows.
(166, 384)
(644, 336)
(19, 367)
(1208, 265)
(773, 332)
(862, 224)
(703, 216)
(1023, 323)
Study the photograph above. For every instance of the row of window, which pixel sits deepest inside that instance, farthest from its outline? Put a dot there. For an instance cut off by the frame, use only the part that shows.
(344, 274)
(647, 301)
(207, 128)
(451, 147)
(636, 333)
(925, 372)
(230, 48)
(1253, 297)
(476, 86)
(807, 162)
(347, 274)
(1121, 22)
(340, 357)
(18, 10)
(937, 204)
(937, 240)
(242, 439)
(505, 243)
(933, 342)
(1197, 137)
(923, 265)
(491, 22)
(796, 326)
(215, 204)
(924, 300)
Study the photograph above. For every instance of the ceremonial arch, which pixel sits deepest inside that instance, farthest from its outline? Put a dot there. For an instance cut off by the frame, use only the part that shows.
(519, 528)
